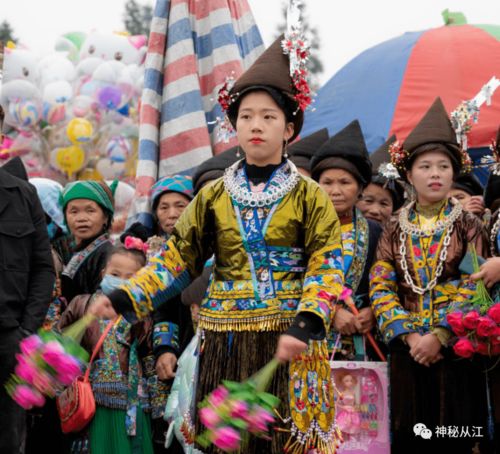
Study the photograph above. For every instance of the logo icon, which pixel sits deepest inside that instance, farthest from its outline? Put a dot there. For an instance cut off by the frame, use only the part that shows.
(421, 430)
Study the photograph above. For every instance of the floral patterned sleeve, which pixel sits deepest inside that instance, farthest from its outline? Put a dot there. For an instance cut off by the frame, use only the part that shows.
(170, 271)
(324, 278)
(392, 319)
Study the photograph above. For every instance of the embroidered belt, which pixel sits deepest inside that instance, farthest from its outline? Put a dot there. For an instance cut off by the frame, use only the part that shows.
(232, 306)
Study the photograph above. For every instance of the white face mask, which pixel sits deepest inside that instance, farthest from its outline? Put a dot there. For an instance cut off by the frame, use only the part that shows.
(110, 283)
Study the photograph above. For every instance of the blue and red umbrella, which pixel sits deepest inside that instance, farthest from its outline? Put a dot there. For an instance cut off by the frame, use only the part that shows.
(389, 87)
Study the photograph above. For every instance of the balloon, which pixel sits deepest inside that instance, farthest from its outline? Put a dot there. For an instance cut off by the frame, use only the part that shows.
(118, 149)
(69, 159)
(109, 97)
(109, 169)
(57, 92)
(79, 130)
(54, 113)
(81, 105)
(90, 174)
(23, 113)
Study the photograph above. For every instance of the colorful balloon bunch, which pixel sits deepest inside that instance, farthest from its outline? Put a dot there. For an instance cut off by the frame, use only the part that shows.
(234, 410)
(71, 119)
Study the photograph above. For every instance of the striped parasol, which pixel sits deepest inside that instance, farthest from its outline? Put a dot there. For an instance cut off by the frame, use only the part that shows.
(390, 86)
(193, 46)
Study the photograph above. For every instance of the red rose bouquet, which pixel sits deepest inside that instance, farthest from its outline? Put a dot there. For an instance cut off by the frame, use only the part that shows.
(476, 322)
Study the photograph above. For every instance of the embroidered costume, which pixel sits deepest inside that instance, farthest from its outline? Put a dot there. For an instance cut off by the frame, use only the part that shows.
(123, 382)
(414, 280)
(347, 151)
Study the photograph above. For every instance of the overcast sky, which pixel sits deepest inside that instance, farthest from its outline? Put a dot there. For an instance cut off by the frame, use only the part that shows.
(346, 27)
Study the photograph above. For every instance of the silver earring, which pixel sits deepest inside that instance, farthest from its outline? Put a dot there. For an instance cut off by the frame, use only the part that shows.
(285, 150)
(238, 154)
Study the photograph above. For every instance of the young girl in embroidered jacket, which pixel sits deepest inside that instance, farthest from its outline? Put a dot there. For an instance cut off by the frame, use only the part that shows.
(119, 374)
(277, 272)
(413, 282)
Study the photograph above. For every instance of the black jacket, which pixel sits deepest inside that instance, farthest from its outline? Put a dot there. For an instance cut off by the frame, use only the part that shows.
(26, 268)
(89, 276)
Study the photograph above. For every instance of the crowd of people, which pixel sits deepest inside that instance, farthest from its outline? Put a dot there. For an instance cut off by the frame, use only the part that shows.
(254, 254)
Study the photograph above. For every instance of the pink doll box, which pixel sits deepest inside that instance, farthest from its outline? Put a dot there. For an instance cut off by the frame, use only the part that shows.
(362, 406)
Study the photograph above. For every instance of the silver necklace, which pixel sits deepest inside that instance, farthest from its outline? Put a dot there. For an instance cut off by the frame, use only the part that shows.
(271, 195)
(493, 236)
(439, 226)
(448, 224)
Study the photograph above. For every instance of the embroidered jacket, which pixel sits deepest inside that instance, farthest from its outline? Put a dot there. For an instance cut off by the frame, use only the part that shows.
(397, 308)
(123, 373)
(270, 262)
(359, 242)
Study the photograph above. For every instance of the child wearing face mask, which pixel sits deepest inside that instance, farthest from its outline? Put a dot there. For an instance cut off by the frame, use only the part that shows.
(119, 374)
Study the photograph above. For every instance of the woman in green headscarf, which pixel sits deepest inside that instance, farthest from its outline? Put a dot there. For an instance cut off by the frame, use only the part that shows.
(88, 209)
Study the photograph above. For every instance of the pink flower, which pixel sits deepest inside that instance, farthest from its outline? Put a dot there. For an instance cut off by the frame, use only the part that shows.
(485, 326)
(226, 438)
(218, 396)
(25, 369)
(65, 365)
(27, 397)
(209, 417)
(495, 336)
(259, 421)
(471, 319)
(482, 348)
(30, 344)
(44, 383)
(239, 409)
(455, 321)
(464, 348)
(494, 312)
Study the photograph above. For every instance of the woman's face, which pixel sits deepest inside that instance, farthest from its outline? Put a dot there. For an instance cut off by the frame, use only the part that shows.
(376, 203)
(432, 176)
(85, 219)
(342, 188)
(261, 128)
(459, 194)
(170, 208)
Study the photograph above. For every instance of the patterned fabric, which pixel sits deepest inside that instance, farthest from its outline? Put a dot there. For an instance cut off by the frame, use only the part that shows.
(192, 47)
(166, 334)
(253, 223)
(49, 192)
(164, 277)
(91, 190)
(392, 318)
(247, 292)
(112, 388)
(175, 183)
(311, 400)
(355, 238)
(79, 257)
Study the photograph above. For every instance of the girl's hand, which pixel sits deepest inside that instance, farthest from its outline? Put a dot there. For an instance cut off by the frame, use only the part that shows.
(346, 322)
(366, 319)
(165, 366)
(489, 272)
(288, 348)
(427, 350)
(101, 307)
